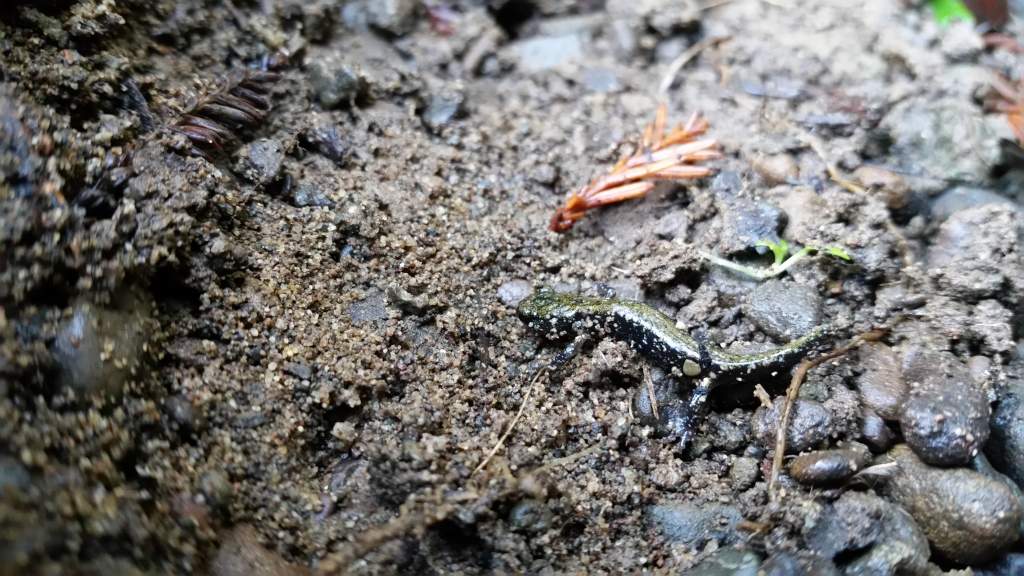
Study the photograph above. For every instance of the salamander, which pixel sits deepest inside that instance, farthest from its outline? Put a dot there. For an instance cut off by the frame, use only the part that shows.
(654, 335)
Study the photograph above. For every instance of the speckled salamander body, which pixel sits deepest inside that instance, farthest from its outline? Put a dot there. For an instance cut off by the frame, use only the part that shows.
(653, 334)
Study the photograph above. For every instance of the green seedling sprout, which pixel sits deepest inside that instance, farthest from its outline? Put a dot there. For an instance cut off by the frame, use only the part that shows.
(780, 250)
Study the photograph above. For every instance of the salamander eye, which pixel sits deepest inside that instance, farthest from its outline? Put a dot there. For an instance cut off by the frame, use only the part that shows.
(691, 368)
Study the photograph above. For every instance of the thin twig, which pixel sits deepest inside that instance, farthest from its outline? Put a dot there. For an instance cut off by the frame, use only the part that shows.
(649, 382)
(794, 390)
(683, 59)
(512, 425)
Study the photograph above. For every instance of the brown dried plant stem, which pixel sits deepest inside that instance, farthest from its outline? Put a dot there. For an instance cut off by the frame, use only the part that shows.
(794, 390)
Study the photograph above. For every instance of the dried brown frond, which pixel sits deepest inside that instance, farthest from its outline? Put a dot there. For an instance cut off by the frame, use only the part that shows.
(660, 156)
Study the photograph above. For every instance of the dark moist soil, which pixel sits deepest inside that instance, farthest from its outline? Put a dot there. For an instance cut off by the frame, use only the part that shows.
(311, 332)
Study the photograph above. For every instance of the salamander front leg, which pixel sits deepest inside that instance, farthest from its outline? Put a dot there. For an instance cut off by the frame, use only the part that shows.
(686, 421)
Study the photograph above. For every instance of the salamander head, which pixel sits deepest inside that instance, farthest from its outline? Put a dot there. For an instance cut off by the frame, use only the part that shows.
(549, 312)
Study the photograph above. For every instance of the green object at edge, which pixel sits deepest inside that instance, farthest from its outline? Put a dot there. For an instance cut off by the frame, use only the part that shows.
(947, 11)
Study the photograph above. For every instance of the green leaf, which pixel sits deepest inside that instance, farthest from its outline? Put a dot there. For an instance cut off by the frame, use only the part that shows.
(779, 250)
(838, 253)
(947, 11)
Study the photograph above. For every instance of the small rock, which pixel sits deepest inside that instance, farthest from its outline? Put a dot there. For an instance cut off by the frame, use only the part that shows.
(777, 169)
(442, 108)
(372, 308)
(945, 416)
(530, 516)
(307, 193)
(184, 414)
(810, 424)
(328, 141)
(784, 309)
(98, 349)
(14, 477)
(546, 174)
(260, 162)
(889, 185)
(900, 546)
(300, 370)
(546, 52)
(976, 253)
(944, 138)
(728, 562)
(875, 432)
(395, 17)
(964, 197)
(241, 554)
(744, 222)
(968, 517)
(744, 472)
(960, 42)
(601, 80)
(512, 292)
(335, 81)
(695, 524)
(881, 385)
(216, 489)
(828, 467)
(1005, 448)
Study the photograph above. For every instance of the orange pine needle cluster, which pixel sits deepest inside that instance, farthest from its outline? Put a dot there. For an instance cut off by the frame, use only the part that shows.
(1009, 100)
(660, 156)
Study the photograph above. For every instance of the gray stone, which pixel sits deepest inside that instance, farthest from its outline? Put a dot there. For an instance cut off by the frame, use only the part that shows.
(370, 309)
(810, 424)
(98, 349)
(396, 17)
(875, 432)
(745, 222)
(968, 518)
(947, 138)
(260, 162)
(442, 108)
(335, 81)
(945, 416)
(784, 309)
(881, 385)
(1005, 448)
(309, 194)
(601, 80)
(546, 52)
(728, 562)
(695, 524)
(744, 472)
(964, 197)
(529, 515)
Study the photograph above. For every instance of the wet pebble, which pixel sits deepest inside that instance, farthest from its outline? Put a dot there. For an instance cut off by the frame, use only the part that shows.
(745, 222)
(968, 517)
(888, 185)
(260, 162)
(828, 467)
(875, 432)
(728, 562)
(694, 524)
(546, 52)
(777, 169)
(744, 472)
(1005, 448)
(529, 515)
(335, 80)
(810, 424)
(242, 554)
(881, 385)
(976, 254)
(97, 349)
(945, 418)
(327, 140)
(442, 108)
(512, 292)
(963, 197)
(307, 193)
(300, 370)
(784, 309)
(884, 535)
(14, 477)
(185, 416)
